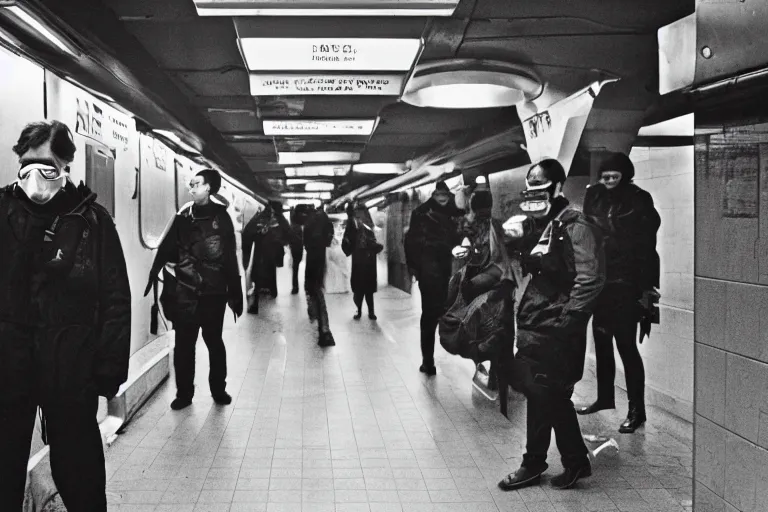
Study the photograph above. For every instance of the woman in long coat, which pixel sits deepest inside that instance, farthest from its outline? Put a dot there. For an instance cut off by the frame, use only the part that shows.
(360, 242)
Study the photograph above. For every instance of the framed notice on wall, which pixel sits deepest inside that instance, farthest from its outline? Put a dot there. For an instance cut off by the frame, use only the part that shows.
(738, 164)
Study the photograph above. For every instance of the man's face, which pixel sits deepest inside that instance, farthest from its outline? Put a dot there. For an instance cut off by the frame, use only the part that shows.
(610, 179)
(199, 189)
(41, 174)
(43, 155)
(442, 198)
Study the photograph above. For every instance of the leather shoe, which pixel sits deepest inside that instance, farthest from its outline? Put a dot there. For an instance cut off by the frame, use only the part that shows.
(180, 403)
(597, 406)
(523, 477)
(222, 398)
(634, 420)
(570, 476)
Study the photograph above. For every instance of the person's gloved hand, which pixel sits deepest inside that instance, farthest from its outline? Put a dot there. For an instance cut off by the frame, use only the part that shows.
(150, 283)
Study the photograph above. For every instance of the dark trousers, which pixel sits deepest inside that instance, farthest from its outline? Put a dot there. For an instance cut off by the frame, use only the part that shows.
(296, 262)
(314, 284)
(358, 298)
(77, 456)
(434, 292)
(615, 317)
(550, 407)
(208, 317)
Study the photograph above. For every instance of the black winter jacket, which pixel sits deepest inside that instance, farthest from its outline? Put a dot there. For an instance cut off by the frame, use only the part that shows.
(629, 223)
(65, 300)
(567, 270)
(432, 233)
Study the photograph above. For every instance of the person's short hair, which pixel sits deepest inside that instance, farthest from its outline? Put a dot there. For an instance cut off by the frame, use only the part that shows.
(211, 177)
(36, 134)
(619, 162)
(553, 170)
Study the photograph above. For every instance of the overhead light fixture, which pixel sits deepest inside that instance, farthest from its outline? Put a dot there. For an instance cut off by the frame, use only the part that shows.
(319, 186)
(326, 7)
(293, 182)
(335, 127)
(329, 54)
(374, 202)
(380, 168)
(292, 203)
(480, 180)
(39, 26)
(319, 85)
(307, 195)
(310, 157)
(471, 83)
(328, 171)
(177, 140)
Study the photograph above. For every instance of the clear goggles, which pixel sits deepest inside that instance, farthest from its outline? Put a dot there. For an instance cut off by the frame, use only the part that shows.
(47, 172)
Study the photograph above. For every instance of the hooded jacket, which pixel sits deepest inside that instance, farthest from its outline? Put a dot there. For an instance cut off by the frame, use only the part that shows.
(567, 268)
(65, 300)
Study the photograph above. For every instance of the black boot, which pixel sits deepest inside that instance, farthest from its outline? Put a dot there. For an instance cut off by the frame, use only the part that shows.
(570, 476)
(597, 406)
(635, 418)
(358, 315)
(326, 339)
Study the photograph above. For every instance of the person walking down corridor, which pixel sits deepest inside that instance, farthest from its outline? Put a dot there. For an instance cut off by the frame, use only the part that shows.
(360, 242)
(201, 247)
(266, 234)
(318, 235)
(432, 234)
(567, 269)
(296, 244)
(629, 223)
(65, 321)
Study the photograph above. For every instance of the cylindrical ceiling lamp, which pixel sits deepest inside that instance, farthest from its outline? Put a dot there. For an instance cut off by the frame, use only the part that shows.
(471, 83)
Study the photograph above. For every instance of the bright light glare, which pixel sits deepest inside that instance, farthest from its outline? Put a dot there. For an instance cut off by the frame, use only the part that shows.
(284, 158)
(307, 195)
(379, 168)
(177, 140)
(293, 182)
(292, 203)
(319, 186)
(329, 54)
(362, 127)
(480, 180)
(374, 202)
(328, 171)
(465, 96)
(40, 28)
(327, 8)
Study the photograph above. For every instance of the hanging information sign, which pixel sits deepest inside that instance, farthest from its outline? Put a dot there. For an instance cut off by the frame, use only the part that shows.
(310, 85)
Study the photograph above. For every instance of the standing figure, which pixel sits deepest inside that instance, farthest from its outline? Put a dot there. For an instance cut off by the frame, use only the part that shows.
(265, 234)
(567, 269)
(201, 247)
(629, 222)
(65, 321)
(298, 216)
(432, 234)
(318, 235)
(360, 242)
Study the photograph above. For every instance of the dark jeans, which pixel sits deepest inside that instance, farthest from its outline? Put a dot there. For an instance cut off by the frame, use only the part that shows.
(314, 284)
(616, 317)
(358, 298)
(296, 263)
(77, 457)
(434, 292)
(549, 407)
(208, 317)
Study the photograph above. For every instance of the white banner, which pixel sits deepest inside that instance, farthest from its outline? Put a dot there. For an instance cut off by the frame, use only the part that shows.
(349, 85)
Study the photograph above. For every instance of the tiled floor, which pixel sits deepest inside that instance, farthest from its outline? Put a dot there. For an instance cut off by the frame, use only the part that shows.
(357, 428)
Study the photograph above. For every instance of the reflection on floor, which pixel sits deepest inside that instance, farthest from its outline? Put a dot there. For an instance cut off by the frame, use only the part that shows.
(357, 428)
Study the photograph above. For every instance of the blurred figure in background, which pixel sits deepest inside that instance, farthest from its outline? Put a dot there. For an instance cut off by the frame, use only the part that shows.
(432, 234)
(360, 242)
(65, 321)
(298, 216)
(265, 234)
(202, 248)
(318, 235)
(629, 223)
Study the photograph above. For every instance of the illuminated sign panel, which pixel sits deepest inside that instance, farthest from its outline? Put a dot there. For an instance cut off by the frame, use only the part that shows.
(341, 127)
(314, 85)
(329, 54)
(317, 170)
(325, 7)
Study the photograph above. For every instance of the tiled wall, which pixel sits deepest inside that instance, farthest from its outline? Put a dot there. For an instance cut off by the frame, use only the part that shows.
(667, 174)
(731, 402)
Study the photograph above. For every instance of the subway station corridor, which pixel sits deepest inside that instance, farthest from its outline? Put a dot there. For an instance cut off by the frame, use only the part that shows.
(356, 427)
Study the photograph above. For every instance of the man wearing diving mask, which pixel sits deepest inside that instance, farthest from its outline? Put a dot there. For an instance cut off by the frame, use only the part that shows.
(563, 254)
(65, 320)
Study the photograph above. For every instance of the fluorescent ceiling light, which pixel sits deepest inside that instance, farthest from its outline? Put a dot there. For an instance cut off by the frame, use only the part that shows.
(384, 168)
(314, 171)
(319, 186)
(307, 195)
(292, 203)
(345, 127)
(316, 85)
(41, 29)
(374, 202)
(292, 182)
(287, 158)
(480, 180)
(329, 54)
(177, 140)
(326, 7)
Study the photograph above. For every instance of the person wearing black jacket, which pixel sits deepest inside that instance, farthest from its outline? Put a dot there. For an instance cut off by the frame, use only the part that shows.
(296, 244)
(567, 269)
(432, 234)
(626, 215)
(318, 235)
(65, 321)
(266, 233)
(202, 248)
(360, 242)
